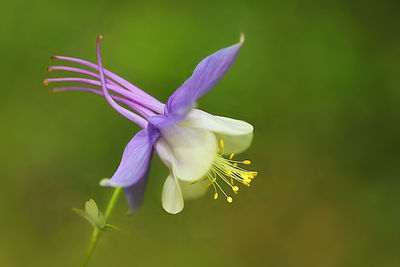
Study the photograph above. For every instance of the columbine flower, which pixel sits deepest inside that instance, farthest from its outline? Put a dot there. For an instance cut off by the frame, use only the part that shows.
(191, 142)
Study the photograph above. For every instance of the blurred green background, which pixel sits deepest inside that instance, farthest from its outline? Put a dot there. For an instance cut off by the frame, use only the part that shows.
(319, 81)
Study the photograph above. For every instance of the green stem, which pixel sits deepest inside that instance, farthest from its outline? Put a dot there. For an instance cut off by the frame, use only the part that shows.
(97, 232)
(112, 202)
(93, 243)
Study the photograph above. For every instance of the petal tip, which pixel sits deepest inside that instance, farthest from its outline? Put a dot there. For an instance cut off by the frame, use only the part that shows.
(173, 212)
(107, 182)
(242, 38)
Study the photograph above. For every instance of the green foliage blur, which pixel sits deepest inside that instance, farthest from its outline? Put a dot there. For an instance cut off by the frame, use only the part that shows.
(319, 80)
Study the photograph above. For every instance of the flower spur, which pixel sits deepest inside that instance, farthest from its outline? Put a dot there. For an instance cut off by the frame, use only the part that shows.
(191, 142)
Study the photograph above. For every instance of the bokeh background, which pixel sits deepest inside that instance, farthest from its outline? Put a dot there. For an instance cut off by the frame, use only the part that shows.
(319, 80)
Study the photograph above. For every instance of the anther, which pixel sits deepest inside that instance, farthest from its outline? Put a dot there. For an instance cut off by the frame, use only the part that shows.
(227, 170)
(100, 37)
(49, 69)
(222, 144)
(45, 82)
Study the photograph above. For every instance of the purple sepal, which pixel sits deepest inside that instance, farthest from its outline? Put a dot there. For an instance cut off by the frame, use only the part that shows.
(135, 159)
(163, 121)
(135, 193)
(205, 76)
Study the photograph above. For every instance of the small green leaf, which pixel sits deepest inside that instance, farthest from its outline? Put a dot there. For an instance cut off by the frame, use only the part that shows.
(91, 209)
(112, 227)
(100, 221)
(84, 215)
(92, 214)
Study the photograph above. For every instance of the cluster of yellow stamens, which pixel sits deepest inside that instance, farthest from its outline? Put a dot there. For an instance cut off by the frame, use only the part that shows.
(229, 172)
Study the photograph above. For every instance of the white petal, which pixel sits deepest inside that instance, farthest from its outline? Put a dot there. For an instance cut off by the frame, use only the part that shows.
(193, 190)
(172, 200)
(217, 124)
(193, 151)
(235, 143)
(164, 152)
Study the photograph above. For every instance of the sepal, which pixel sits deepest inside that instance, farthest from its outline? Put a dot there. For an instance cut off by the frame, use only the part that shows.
(92, 215)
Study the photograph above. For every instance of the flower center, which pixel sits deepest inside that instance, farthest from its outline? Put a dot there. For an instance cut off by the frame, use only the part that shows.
(229, 172)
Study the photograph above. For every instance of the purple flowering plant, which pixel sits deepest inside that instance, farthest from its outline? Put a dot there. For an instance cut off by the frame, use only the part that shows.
(198, 148)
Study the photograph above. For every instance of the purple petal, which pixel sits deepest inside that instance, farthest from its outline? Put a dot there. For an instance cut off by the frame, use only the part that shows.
(162, 121)
(121, 110)
(135, 193)
(135, 160)
(138, 108)
(205, 76)
(110, 86)
(78, 70)
(154, 103)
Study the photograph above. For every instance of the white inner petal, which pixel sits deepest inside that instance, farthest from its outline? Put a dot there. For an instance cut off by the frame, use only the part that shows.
(172, 200)
(221, 125)
(193, 190)
(164, 152)
(235, 143)
(193, 151)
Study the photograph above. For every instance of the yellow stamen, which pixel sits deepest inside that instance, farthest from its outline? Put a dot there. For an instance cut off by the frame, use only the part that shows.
(196, 180)
(227, 170)
(212, 182)
(222, 147)
(235, 189)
